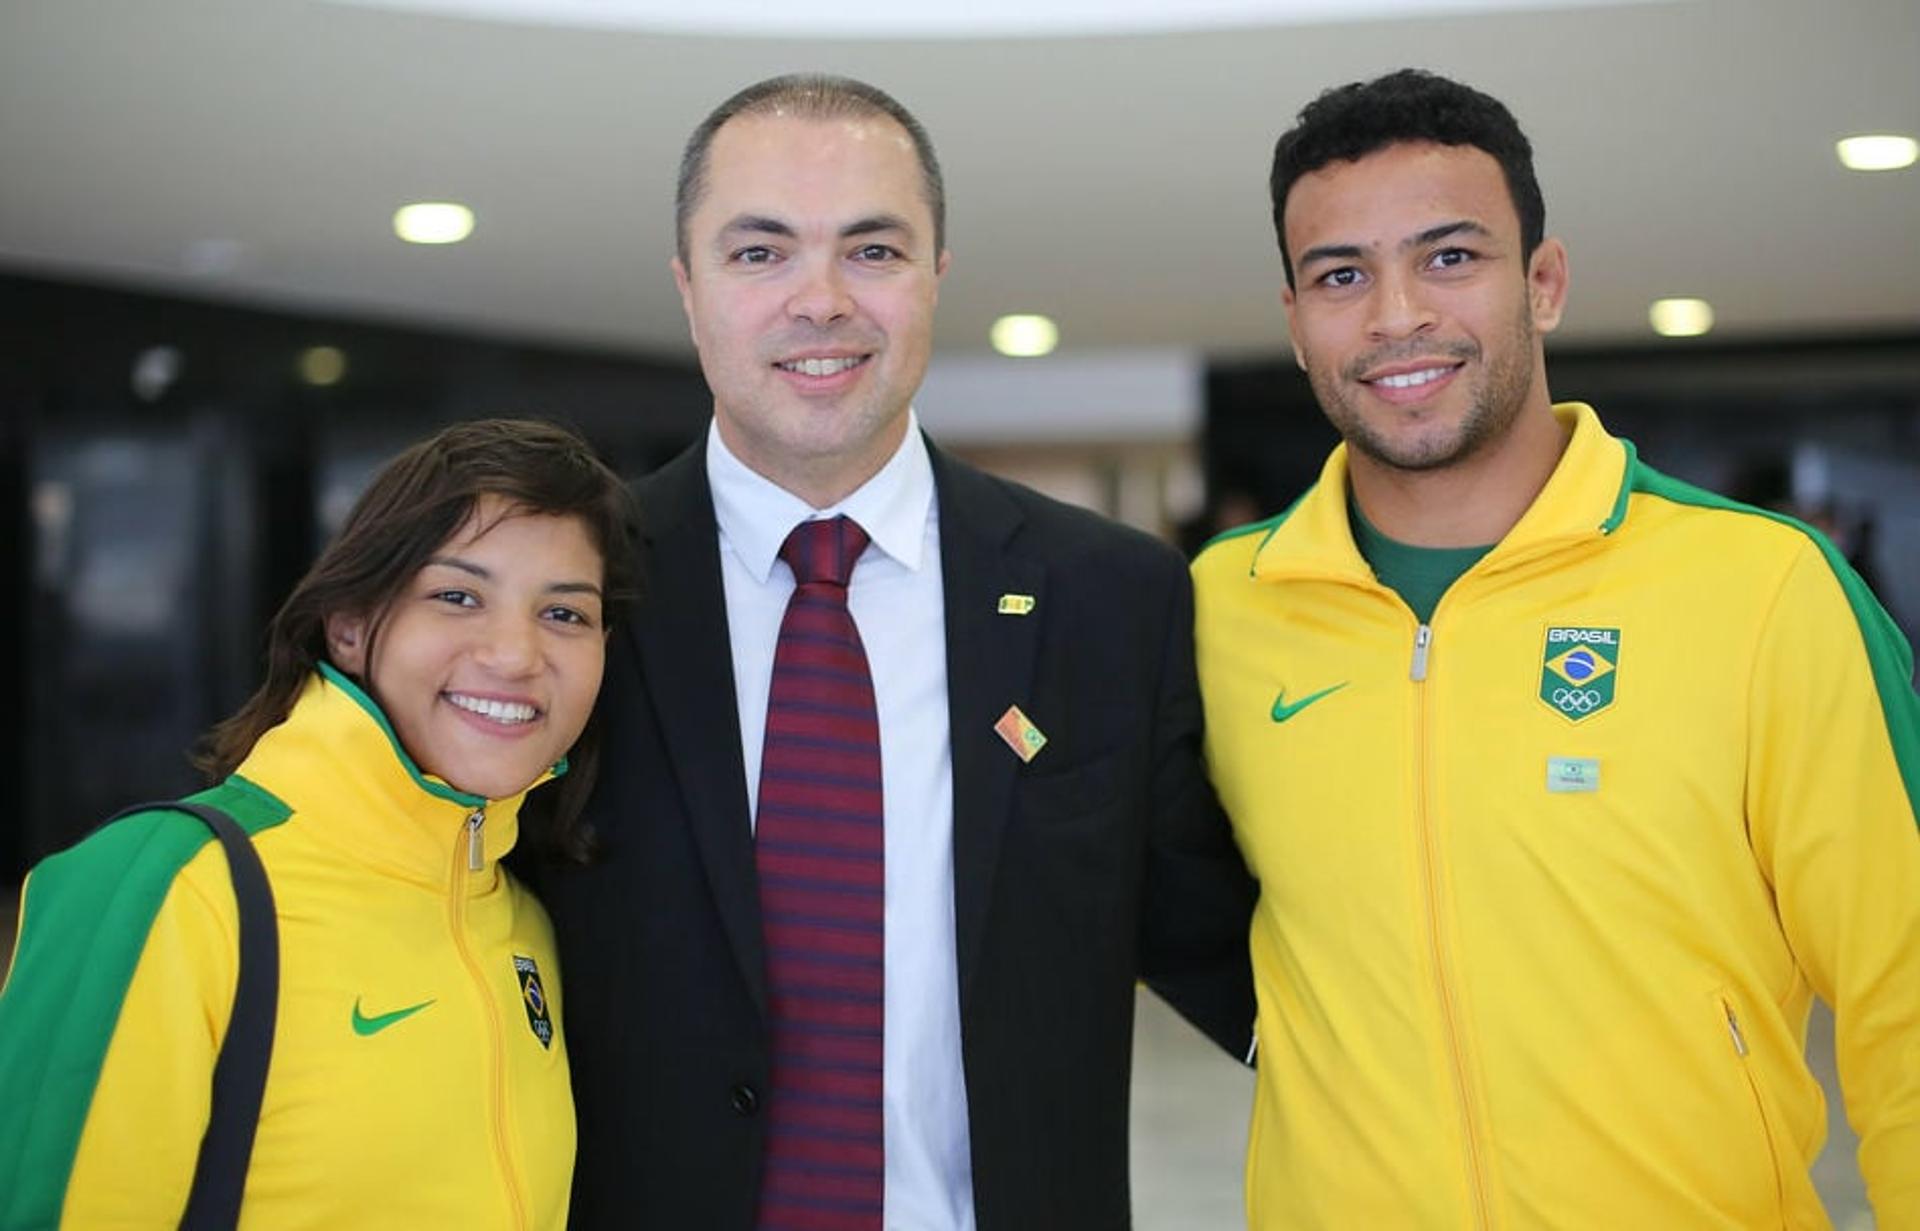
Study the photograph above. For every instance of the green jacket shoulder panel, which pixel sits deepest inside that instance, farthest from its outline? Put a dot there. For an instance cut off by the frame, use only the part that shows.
(84, 922)
(1887, 650)
(1264, 529)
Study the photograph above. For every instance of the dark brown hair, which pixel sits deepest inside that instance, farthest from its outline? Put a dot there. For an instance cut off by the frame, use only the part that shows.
(415, 504)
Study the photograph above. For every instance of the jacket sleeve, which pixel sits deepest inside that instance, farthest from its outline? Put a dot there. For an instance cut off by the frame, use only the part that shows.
(109, 1025)
(1199, 896)
(1834, 768)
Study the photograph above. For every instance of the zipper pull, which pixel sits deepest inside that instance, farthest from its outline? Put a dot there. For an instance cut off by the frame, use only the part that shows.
(1421, 641)
(476, 845)
(1733, 1028)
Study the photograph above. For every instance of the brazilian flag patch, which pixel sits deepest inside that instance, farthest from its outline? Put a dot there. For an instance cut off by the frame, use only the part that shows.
(534, 996)
(1579, 668)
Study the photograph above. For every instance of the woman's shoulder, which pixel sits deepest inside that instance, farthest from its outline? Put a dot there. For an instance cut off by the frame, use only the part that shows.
(115, 880)
(146, 847)
(138, 904)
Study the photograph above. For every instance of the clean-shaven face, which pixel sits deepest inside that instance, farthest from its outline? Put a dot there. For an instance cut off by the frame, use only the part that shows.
(809, 285)
(488, 662)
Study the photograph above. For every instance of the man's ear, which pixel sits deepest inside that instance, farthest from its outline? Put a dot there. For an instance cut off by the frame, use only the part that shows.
(347, 643)
(1547, 284)
(1293, 331)
(683, 282)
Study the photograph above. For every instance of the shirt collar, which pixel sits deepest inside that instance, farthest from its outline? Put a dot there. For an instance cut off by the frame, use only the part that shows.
(755, 514)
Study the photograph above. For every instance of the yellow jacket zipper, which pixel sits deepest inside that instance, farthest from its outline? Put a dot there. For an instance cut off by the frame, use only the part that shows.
(496, 1080)
(1430, 863)
(1742, 1052)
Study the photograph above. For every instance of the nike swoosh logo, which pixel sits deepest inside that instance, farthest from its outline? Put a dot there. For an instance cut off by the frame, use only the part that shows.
(364, 1026)
(1283, 711)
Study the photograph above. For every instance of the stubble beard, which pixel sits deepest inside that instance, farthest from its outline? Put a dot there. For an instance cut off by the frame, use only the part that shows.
(1496, 404)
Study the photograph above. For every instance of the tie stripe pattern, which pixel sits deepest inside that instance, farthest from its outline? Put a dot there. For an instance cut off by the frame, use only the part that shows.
(820, 851)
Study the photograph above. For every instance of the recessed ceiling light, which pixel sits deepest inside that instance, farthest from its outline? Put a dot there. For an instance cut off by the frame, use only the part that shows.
(155, 370)
(322, 365)
(1878, 152)
(1681, 318)
(433, 222)
(1024, 336)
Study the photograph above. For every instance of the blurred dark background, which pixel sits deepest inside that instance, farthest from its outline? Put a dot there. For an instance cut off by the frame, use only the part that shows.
(167, 470)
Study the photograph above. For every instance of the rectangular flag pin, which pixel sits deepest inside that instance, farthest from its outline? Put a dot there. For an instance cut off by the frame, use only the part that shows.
(1021, 735)
(1016, 604)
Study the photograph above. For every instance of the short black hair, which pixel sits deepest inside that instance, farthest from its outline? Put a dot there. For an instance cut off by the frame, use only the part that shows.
(1349, 122)
(807, 96)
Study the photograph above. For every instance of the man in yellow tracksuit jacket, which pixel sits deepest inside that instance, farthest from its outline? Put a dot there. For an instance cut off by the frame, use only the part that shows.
(1568, 785)
(417, 1046)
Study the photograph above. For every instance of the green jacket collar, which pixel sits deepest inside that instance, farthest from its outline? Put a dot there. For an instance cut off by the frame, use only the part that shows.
(337, 761)
(1585, 498)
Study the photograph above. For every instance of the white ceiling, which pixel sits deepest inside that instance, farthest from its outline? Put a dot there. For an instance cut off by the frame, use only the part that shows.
(256, 149)
(862, 19)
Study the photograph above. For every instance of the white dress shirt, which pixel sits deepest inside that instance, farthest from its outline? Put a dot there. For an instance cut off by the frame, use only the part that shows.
(896, 597)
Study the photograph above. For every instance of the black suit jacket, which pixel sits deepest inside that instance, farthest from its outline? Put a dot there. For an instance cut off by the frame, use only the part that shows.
(1102, 861)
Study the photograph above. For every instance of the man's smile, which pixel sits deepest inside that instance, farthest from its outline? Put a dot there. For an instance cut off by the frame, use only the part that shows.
(1412, 380)
(1410, 387)
(827, 366)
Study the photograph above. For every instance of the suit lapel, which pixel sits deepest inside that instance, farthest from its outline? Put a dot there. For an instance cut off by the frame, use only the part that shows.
(990, 661)
(688, 671)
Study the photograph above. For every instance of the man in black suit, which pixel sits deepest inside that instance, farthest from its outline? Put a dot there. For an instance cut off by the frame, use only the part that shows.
(1049, 836)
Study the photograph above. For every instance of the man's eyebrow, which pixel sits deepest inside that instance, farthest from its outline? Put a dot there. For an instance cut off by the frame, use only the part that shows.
(874, 224)
(1331, 252)
(1465, 226)
(1433, 234)
(757, 224)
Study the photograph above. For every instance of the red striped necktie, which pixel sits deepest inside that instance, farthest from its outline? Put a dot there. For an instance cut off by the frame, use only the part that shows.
(820, 848)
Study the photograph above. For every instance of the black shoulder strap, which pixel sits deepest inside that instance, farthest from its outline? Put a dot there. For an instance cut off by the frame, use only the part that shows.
(240, 1073)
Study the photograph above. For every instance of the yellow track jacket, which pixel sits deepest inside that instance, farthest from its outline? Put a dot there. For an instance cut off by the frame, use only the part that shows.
(1547, 885)
(419, 1078)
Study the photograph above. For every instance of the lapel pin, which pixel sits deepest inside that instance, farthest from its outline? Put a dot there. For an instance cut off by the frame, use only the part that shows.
(1020, 734)
(1016, 604)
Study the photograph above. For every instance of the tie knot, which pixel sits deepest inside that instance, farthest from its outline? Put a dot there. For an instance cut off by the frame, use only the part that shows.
(824, 551)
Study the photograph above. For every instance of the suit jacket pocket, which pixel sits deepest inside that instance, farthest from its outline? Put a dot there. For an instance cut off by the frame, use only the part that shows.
(1060, 794)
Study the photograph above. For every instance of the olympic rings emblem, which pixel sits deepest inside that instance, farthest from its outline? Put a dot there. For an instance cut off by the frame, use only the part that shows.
(1576, 700)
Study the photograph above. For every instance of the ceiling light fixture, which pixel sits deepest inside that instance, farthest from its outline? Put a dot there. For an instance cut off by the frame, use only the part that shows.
(433, 222)
(321, 366)
(1681, 318)
(1877, 152)
(1024, 336)
(155, 370)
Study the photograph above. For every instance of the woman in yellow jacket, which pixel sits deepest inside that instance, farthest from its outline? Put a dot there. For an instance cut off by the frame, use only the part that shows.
(439, 660)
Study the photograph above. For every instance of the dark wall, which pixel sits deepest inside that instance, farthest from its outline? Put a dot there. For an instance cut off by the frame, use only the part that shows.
(166, 474)
(1710, 407)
